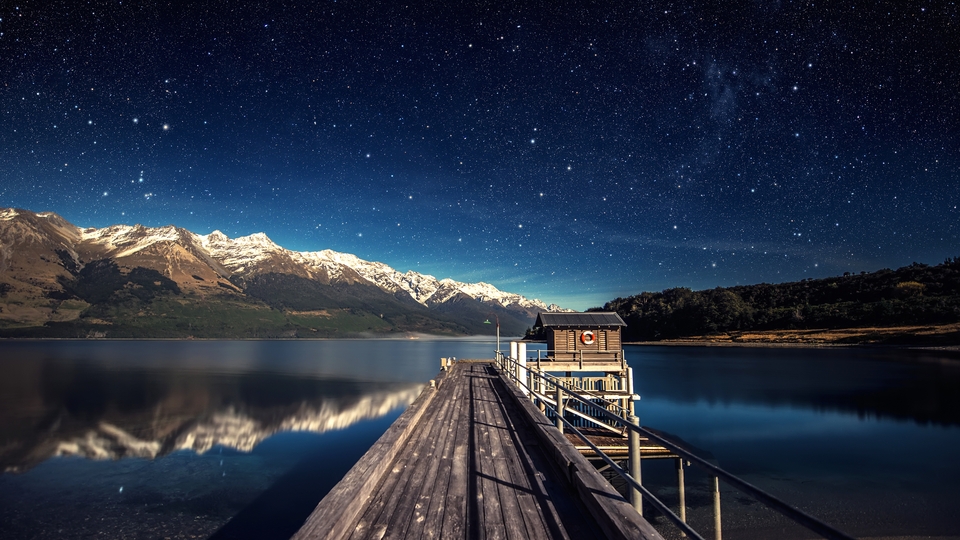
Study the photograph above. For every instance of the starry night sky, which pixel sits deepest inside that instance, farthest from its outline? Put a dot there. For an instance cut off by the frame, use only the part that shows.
(570, 151)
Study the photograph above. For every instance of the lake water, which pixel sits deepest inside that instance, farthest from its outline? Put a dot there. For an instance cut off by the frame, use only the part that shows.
(241, 439)
(865, 439)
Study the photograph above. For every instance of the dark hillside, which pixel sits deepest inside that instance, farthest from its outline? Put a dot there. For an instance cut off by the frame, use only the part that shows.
(918, 294)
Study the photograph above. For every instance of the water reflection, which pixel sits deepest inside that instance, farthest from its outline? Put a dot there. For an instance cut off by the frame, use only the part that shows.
(864, 439)
(920, 386)
(236, 439)
(111, 408)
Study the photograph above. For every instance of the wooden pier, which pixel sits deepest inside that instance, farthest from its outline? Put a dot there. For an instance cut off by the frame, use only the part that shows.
(472, 457)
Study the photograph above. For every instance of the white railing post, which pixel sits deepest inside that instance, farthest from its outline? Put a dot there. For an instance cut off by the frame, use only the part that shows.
(522, 367)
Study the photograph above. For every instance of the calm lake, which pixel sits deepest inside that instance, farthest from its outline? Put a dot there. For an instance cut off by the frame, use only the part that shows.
(179, 439)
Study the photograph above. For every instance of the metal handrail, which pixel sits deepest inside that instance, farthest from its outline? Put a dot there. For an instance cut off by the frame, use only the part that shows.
(555, 381)
(771, 501)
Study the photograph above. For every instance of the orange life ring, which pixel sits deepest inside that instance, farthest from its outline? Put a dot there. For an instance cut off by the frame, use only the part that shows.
(587, 337)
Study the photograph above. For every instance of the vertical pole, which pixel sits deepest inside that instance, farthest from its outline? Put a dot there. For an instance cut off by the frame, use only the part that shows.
(560, 408)
(716, 508)
(683, 494)
(522, 367)
(634, 440)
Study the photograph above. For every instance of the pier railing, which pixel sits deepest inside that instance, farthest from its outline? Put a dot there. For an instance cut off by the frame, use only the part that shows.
(572, 404)
(583, 357)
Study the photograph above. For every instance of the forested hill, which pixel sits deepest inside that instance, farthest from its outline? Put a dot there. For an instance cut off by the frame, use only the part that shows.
(915, 294)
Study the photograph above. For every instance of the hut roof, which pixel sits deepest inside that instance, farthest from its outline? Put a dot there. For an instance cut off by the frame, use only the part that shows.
(579, 320)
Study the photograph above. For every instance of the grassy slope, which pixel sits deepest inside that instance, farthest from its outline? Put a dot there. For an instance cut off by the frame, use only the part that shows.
(192, 317)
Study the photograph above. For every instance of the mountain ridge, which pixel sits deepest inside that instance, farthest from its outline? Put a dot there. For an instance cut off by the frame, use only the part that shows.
(43, 258)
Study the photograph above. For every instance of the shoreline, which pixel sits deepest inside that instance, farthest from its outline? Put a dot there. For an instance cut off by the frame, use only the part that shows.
(927, 337)
(953, 350)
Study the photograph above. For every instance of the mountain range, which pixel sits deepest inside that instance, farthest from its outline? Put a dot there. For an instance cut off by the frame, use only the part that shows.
(61, 280)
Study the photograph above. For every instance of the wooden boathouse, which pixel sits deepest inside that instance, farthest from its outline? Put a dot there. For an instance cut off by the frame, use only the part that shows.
(583, 341)
(502, 449)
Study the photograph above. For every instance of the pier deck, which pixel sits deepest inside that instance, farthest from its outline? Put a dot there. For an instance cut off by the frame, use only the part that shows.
(470, 459)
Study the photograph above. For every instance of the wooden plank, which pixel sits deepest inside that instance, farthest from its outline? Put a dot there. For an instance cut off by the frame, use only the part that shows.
(335, 516)
(488, 493)
(463, 464)
(459, 506)
(507, 486)
(556, 511)
(563, 515)
(395, 507)
(454, 522)
(615, 515)
(520, 469)
(432, 496)
(369, 523)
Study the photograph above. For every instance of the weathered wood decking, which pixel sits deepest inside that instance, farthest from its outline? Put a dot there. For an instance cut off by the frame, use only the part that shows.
(473, 459)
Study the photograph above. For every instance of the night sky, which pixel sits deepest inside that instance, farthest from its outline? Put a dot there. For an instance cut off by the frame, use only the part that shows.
(569, 151)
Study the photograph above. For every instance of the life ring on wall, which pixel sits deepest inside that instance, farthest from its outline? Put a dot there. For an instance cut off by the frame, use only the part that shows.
(587, 337)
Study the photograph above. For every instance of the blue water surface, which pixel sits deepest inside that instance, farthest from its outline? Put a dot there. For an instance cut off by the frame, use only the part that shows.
(241, 439)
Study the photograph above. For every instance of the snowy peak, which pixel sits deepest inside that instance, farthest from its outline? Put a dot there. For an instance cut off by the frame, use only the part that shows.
(243, 253)
(424, 288)
(240, 254)
(126, 240)
(180, 254)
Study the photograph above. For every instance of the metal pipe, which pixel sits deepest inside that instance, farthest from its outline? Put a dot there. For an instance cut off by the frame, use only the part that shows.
(634, 441)
(774, 503)
(650, 497)
(796, 515)
(681, 488)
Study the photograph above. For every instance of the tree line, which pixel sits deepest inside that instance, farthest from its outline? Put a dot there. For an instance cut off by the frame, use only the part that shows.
(913, 295)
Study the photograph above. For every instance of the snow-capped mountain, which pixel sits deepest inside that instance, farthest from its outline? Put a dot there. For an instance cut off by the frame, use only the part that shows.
(256, 253)
(211, 265)
(248, 252)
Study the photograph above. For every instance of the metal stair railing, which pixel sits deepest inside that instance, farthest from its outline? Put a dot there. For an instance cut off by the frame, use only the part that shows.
(511, 367)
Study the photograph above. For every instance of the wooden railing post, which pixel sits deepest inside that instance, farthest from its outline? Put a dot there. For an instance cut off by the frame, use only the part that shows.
(634, 440)
(716, 509)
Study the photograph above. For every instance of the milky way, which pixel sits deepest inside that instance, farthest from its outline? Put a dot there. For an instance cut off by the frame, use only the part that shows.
(570, 151)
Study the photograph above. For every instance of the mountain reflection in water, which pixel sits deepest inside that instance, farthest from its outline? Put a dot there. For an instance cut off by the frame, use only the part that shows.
(241, 439)
(57, 408)
(237, 439)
